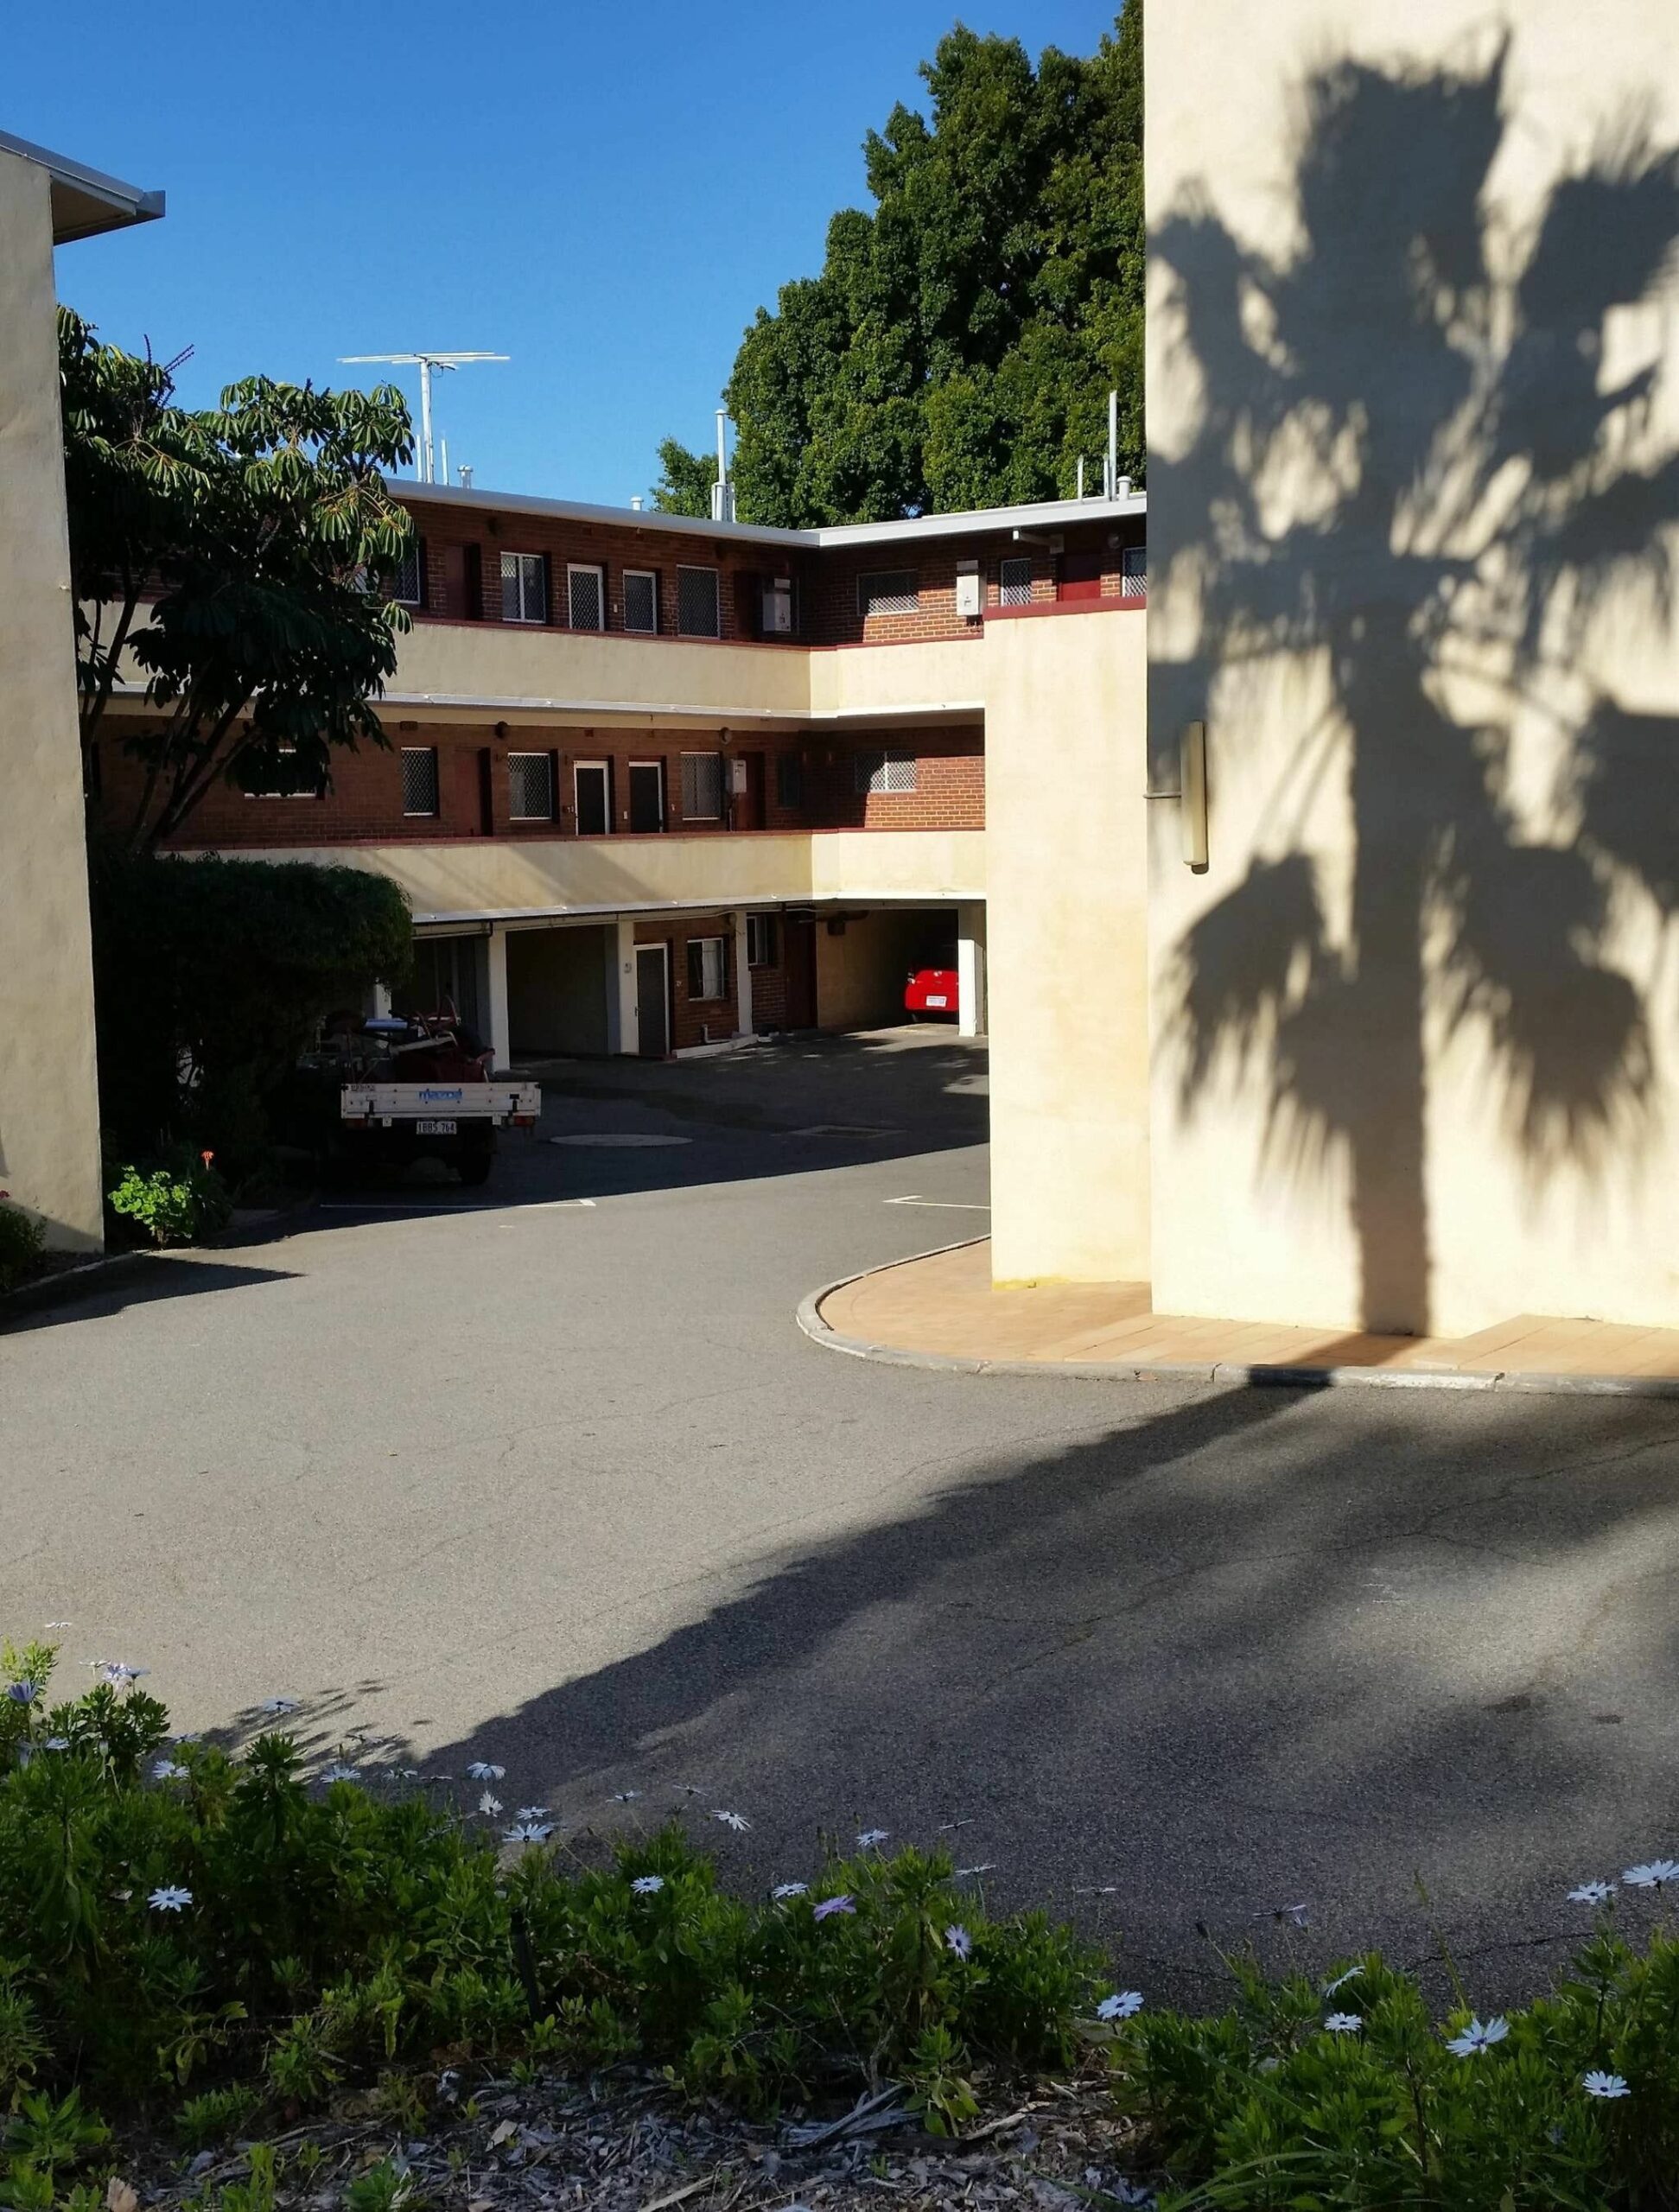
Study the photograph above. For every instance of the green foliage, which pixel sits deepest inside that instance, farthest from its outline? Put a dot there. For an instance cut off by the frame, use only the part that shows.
(235, 553)
(210, 977)
(685, 480)
(1264, 2107)
(175, 1203)
(332, 1938)
(957, 348)
(21, 1240)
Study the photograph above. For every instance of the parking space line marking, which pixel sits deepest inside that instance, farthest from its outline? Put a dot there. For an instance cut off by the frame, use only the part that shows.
(944, 1205)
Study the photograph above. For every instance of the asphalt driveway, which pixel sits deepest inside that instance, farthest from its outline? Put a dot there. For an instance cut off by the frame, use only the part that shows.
(546, 1476)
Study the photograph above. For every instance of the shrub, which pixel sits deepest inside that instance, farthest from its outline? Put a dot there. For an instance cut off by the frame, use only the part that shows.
(177, 1203)
(22, 1239)
(210, 977)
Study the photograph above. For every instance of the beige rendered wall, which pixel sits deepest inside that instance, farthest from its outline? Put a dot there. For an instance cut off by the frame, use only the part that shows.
(49, 1130)
(1414, 477)
(1066, 911)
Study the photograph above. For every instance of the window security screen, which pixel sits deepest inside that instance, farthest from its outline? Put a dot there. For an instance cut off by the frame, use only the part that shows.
(891, 591)
(699, 606)
(1015, 578)
(530, 786)
(702, 786)
(586, 599)
(641, 601)
(419, 779)
(883, 772)
(523, 587)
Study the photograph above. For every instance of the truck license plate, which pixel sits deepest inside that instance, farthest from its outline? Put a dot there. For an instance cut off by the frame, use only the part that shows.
(931, 1001)
(434, 1128)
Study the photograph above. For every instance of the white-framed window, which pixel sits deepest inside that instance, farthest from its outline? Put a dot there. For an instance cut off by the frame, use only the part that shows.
(707, 967)
(286, 787)
(530, 786)
(585, 596)
(1015, 579)
(888, 591)
(407, 578)
(641, 601)
(763, 940)
(419, 779)
(1134, 572)
(524, 588)
(702, 786)
(874, 772)
(591, 790)
(699, 603)
(647, 797)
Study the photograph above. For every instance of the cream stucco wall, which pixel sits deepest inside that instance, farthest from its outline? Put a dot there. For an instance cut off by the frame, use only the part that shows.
(510, 876)
(1066, 908)
(1413, 480)
(49, 1135)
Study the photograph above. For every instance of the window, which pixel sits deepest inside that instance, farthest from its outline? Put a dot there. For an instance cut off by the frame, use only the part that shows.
(702, 786)
(641, 601)
(698, 608)
(530, 786)
(789, 780)
(1134, 572)
(647, 797)
(707, 967)
(1015, 580)
(524, 588)
(591, 782)
(891, 591)
(286, 784)
(407, 578)
(585, 597)
(763, 941)
(419, 779)
(875, 772)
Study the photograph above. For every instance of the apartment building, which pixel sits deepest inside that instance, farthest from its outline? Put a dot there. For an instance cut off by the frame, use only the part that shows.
(656, 785)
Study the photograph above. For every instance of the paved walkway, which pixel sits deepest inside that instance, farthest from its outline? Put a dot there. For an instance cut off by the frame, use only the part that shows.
(940, 1309)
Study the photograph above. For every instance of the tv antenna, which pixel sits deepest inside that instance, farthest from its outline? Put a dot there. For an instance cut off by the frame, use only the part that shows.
(424, 469)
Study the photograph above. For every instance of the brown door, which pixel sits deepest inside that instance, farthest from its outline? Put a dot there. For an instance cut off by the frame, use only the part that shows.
(801, 942)
(1081, 576)
(652, 1000)
(749, 800)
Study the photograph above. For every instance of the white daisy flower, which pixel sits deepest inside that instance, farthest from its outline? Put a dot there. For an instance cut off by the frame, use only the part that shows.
(1120, 2005)
(1655, 1874)
(169, 1899)
(482, 1771)
(532, 1813)
(625, 1796)
(647, 1886)
(489, 1805)
(986, 1866)
(118, 1672)
(1343, 2024)
(1592, 1893)
(959, 1940)
(56, 1743)
(783, 1891)
(1596, 2084)
(528, 1831)
(169, 1771)
(340, 1771)
(871, 1839)
(1479, 2035)
(1341, 1980)
(738, 1822)
(831, 1905)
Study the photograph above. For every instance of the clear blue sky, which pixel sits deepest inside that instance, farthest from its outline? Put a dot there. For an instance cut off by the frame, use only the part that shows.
(606, 192)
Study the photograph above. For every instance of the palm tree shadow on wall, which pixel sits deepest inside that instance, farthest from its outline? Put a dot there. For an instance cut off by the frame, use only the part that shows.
(1416, 484)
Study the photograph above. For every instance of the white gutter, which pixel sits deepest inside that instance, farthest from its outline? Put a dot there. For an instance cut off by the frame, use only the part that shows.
(653, 710)
(86, 202)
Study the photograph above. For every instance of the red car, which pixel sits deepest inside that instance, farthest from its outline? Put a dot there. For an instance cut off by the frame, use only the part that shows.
(932, 990)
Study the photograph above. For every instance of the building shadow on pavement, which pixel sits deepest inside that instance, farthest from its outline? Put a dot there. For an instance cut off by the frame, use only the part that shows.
(1245, 1652)
(154, 1276)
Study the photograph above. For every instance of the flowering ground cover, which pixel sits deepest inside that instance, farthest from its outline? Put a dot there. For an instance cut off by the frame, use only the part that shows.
(200, 1949)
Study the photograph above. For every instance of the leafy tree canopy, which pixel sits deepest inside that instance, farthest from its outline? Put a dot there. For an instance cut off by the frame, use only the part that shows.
(959, 346)
(685, 480)
(232, 556)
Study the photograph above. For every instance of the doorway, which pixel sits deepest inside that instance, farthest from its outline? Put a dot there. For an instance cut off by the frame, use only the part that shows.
(748, 812)
(800, 939)
(1080, 577)
(592, 781)
(647, 797)
(653, 1001)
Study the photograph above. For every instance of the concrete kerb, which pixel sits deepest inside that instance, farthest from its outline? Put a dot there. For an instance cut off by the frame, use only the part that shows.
(1231, 1373)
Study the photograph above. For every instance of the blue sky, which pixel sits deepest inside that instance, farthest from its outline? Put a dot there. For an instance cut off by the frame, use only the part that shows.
(604, 193)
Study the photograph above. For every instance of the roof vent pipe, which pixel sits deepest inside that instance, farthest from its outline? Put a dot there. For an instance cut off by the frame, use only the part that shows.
(635, 503)
(1110, 472)
(723, 491)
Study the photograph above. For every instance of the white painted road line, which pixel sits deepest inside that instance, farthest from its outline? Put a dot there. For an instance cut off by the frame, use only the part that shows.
(944, 1205)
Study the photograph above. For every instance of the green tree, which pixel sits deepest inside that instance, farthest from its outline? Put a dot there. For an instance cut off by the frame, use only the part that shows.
(685, 480)
(959, 346)
(232, 557)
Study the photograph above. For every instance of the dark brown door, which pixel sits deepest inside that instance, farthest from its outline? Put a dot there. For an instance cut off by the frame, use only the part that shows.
(1081, 576)
(749, 803)
(647, 797)
(801, 942)
(652, 1000)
